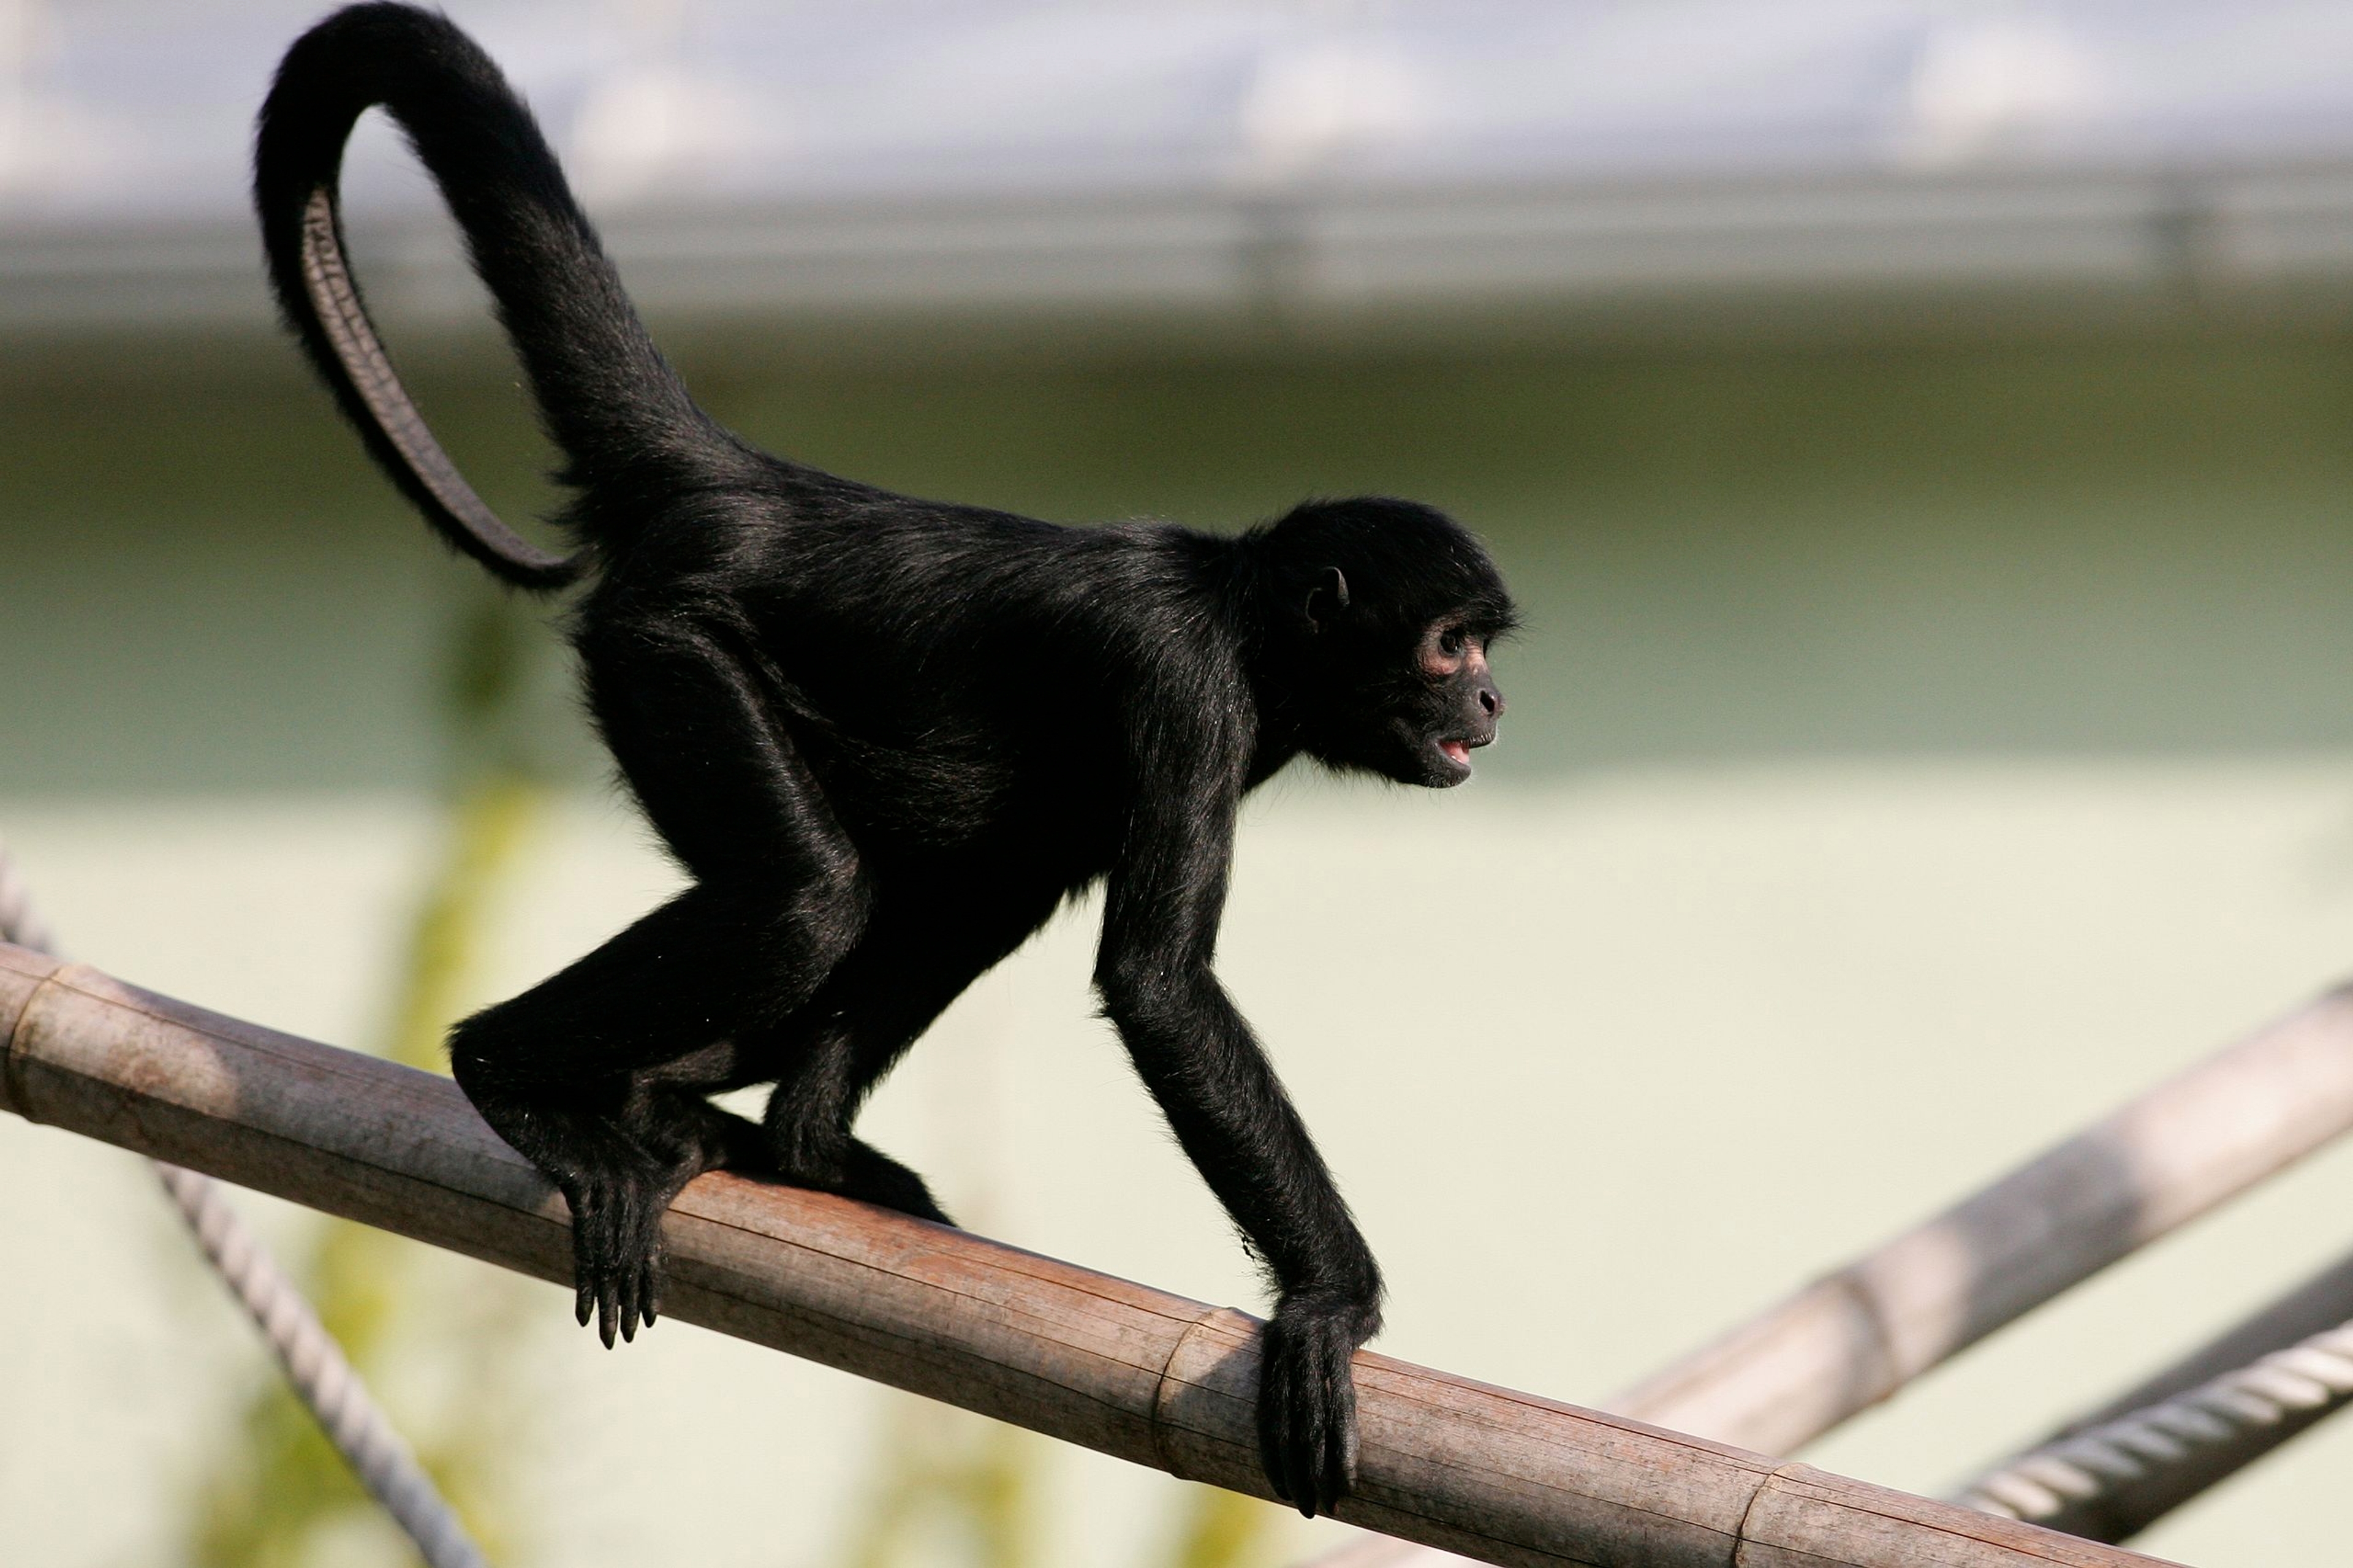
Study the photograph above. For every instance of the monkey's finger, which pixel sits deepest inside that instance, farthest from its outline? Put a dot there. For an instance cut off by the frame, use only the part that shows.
(1340, 1478)
(608, 1308)
(1333, 1471)
(1273, 1424)
(584, 1258)
(624, 1300)
(1314, 1454)
(1302, 1462)
(1339, 1469)
(1303, 1450)
(638, 1311)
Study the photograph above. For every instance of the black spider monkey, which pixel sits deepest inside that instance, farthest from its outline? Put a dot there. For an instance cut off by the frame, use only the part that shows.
(885, 737)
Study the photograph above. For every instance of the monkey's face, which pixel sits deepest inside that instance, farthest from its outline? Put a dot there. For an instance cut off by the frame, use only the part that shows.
(1410, 707)
(1392, 607)
(1458, 706)
(1430, 715)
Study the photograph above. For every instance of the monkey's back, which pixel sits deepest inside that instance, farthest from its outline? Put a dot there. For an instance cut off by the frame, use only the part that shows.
(963, 682)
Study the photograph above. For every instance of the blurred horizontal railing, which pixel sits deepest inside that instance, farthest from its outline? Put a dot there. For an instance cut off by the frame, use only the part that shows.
(1121, 1368)
(1810, 256)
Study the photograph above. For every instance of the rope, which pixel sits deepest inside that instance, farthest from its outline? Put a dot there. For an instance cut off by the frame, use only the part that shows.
(314, 1364)
(2313, 1374)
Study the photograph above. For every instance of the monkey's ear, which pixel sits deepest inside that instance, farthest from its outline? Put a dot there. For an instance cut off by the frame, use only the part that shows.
(1331, 585)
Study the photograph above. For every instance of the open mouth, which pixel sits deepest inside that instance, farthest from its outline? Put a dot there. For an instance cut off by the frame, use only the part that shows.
(1451, 763)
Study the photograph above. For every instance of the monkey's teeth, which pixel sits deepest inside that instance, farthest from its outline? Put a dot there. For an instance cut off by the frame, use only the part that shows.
(1456, 752)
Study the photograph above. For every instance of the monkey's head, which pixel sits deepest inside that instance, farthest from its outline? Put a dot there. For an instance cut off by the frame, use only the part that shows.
(1384, 611)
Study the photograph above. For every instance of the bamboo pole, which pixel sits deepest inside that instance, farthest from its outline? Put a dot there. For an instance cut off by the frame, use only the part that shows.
(1149, 1377)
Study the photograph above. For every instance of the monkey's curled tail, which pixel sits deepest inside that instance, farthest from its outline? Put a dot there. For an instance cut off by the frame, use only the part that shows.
(610, 401)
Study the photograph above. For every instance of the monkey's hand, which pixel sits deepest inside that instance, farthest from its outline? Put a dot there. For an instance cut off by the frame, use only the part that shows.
(1307, 1395)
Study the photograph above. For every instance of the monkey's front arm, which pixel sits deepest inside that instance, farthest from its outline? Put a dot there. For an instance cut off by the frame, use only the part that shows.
(1213, 1082)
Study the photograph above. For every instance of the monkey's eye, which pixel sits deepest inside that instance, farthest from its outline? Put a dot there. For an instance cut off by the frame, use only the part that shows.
(1450, 642)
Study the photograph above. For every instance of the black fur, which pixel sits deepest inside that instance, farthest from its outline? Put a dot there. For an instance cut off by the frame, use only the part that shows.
(885, 737)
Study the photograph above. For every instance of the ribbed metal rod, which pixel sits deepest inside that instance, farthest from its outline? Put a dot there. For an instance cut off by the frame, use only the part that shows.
(2114, 1471)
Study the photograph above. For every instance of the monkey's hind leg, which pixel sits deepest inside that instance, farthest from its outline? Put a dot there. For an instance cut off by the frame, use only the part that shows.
(597, 1076)
(924, 944)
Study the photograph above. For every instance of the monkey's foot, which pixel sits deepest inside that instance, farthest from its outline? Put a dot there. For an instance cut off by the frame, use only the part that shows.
(854, 1168)
(617, 1251)
(1307, 1399)
(874, 1177)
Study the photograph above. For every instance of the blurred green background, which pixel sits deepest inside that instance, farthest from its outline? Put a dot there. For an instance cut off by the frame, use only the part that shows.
(2080, 546)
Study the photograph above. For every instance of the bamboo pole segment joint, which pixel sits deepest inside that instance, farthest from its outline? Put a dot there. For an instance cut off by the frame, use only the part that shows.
(1165, 1392)
(14, 1004)
(1763, 1483)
